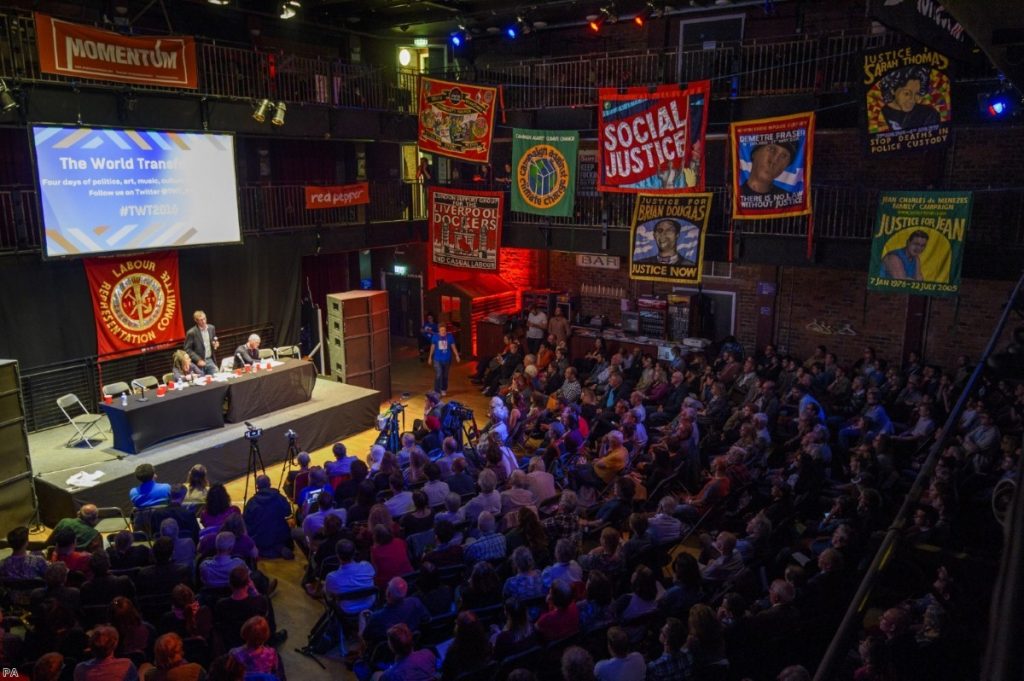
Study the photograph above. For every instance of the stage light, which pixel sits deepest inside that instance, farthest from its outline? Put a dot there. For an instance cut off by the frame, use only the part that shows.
(512, 32)
(456, 39)
(1000, 104)
(596, 23)
(7, 101)
(404, 57)
(278, 118)
(290, 8)
(219, 2)
(260, 114)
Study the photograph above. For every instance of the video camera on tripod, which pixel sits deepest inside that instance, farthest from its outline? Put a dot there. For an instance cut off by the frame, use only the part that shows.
(252, 433)
(387, 424)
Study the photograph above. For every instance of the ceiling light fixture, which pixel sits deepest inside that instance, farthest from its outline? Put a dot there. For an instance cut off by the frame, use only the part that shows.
(7, 101)
(290, 9)
(278, 118)
(219, 2)
(260, 114)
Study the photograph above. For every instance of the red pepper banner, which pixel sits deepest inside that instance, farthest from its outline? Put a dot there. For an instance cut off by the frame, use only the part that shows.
(465, 228)
(135, 301)
(341, 196)
(456, 119)
(652, 141)
(77, 51)
(771, 166)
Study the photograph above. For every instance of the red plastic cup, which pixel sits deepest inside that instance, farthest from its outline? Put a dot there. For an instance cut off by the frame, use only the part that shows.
(238, 372)
(161, 390)
(209, 380)
(270, 367)
(248, 368)
(170, 385)
(108, 399)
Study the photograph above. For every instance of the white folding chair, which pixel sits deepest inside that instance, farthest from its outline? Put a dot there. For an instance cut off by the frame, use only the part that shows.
(115, 389)
(287, 351)
(83, 421)
(266, 353)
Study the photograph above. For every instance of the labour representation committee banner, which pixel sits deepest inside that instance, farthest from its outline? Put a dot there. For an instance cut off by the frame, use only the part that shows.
(771, 166)
(456, 119)
(77, 51)
(918, 245)
(544, 171)
(667, 242)
(908, 99)
(653, 140)
(465, 228)
(135, 301)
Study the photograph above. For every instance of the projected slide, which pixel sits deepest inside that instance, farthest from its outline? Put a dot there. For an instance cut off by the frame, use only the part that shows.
(107, 190)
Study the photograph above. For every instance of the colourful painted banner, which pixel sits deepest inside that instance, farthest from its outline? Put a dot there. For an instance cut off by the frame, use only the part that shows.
(667, 241)
(340, 196)
(135, 301)
(77, 51)
(918, 245)
(465, 228)
(456, 119)
(908, 99)
(771, 166)
(544, 171)
(652, 141)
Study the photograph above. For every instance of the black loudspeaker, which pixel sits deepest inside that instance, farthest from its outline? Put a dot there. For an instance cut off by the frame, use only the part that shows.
(17, 494)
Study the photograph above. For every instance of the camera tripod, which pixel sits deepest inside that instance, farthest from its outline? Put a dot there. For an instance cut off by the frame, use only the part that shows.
(255, 459)
(290, 456)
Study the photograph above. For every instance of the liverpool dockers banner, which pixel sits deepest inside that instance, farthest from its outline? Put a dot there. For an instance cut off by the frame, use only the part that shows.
(135, 301)
(918, 245)
(76, 51)
(456, 119)
(908, 99)
(544, 171)
(667, 242)
(771, 166)
(465, 228)
(653, 140)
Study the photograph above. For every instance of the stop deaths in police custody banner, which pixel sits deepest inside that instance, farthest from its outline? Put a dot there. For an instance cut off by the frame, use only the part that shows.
(544, 171)
(465, 228)
(667, 243)
(771, 162)
(918, 245)
(456, 119)
(653, 141)
(908, 99)
(135, 301)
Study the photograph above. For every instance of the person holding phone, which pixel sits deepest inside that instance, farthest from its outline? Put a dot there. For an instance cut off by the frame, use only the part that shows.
(201, 343)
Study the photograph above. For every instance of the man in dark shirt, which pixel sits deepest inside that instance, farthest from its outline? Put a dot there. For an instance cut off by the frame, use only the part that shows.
(188, 525)
(399, 608)
(266, 517)
(104, 587)
(460, 481)
(244, 602)
(163, 575)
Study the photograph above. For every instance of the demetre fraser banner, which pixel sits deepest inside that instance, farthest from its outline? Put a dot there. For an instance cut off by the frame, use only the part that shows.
(771, 160)
(544, 171)
(667, 241)
(918, 246)
(465, 228)
(652, 141)
(135, 301)
(456, 119)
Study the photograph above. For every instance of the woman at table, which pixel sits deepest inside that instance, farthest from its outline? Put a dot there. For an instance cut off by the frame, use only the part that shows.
(183, 368)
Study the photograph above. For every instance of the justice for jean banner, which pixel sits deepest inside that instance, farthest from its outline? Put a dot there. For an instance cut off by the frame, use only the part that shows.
(652, 141)
(465, 228)
(544, 171)
(771, 161)
(456, 119)
(667, 241)
(135, 301)
(918, 245)
(908, 99)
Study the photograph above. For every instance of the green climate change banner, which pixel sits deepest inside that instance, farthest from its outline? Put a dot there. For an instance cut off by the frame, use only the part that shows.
(918, 245)
(544, 171)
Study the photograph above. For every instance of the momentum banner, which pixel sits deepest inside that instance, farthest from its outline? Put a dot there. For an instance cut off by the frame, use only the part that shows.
(918, 245)
(653, 140)
(771, 166)
(465, 228)
(544, 171)
(341, 196)
(667, 242)
(76, 51)
(908, 99)
(135, 301)
(456, 119)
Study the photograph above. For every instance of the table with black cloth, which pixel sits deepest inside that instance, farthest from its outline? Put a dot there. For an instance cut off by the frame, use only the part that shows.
(251, 395)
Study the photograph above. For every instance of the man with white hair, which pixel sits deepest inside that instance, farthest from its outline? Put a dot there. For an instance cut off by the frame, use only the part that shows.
(488, 500)
(539, 481)
(602, 470)
(399, 607)
(663, 526)
(374, 457)
(490, 545)
(248, 353)
(516, 496)
(216, 571)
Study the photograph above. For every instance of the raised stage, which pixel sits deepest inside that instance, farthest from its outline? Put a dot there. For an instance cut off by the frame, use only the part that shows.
(335, 411)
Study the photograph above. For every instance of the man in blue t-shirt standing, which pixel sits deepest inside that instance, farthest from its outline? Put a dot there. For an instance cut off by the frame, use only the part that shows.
(442, 347)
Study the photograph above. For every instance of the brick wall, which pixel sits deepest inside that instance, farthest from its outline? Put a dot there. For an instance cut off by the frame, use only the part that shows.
(957, 327)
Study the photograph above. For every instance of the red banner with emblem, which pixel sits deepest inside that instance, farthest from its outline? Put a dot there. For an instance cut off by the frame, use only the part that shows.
(465, 228)
(456, 119)
(135, 300)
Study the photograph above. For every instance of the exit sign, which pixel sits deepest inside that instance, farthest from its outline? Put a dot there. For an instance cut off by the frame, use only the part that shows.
(401, 269)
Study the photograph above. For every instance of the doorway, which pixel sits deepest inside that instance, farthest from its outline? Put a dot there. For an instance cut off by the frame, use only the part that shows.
(405, 300)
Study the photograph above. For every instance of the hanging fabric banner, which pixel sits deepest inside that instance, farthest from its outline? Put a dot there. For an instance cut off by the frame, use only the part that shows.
(667, 241)
(771, 166)
(928, 22)
(135, 300)
(544, 171)
(908, 99)
(918, 246)
(465, 228)
(652, 141)
(456, 119)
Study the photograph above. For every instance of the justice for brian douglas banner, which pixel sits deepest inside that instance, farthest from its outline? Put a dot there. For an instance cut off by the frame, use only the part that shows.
(667, 242)
(918, 245)
(465, 228)
(544, 171)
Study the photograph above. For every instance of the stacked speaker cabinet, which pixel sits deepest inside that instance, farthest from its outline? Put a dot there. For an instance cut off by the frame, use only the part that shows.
(359, 338)
(17, 494)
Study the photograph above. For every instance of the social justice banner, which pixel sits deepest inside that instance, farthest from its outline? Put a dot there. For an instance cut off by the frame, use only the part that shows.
(544, 171)
(908, 99)
(653, 140)
(667, 241)
(340, 196)
(918, 245)
(135, 301)
(456, 119)
(465, 228)
(77, 51)
(771, 166)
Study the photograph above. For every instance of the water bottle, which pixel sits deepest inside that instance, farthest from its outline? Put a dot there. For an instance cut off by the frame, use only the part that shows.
(124, 399)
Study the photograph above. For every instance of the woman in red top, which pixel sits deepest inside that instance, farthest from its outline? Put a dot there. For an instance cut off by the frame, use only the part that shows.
(389, 556)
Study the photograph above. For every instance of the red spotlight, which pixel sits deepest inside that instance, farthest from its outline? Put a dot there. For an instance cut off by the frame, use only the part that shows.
(595, 24)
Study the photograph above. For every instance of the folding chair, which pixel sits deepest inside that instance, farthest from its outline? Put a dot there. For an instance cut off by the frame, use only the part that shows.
(266, 353)
(287, 351)
(111, 519)
(148, 382)
(115, 389)
(83, 422)
(167, 378)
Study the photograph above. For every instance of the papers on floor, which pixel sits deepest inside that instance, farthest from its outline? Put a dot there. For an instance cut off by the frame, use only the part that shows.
(84, 479)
